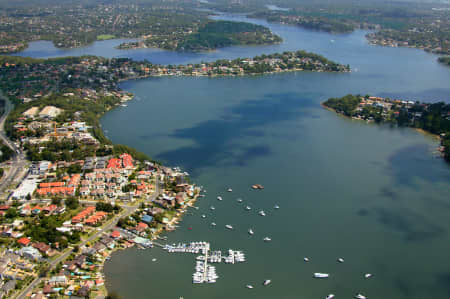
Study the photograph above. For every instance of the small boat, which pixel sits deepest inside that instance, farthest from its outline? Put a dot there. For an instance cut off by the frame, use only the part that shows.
(228, 226)
(331, 296)
(306, 259)
(359, 296)
(123, 105)
(321, 275)
(250, 231)
(248, 208)
(267, 239)
(153, 260)
(367, 275)
(219, 198)
(262, 213)
(203, 216)
(276, 207)
(230, 190)
(213, 224)
(257, 187)
(239, 200)
(266, 282)
(189, 228)
(249, 286)
(340, 260)
(212, 208)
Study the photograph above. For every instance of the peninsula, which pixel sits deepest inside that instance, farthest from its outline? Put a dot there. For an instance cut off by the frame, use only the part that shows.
(430, 117)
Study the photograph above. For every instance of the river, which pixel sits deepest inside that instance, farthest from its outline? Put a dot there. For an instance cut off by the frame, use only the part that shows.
(376, 196)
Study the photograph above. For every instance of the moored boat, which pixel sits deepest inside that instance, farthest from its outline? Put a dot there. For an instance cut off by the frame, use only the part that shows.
(330, 296)
(250, 231)
(321, 275)
(367, 275)
(249, 286)
(360, 296)
(228, 226)
(219, 198)
(306, 259)
(340, 260)
(267, 239)
(266, 282)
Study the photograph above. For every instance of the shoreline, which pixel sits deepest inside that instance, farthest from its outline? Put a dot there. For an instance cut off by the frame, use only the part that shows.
(419, 130)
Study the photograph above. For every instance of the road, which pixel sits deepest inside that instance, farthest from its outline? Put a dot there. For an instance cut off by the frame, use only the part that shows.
(128, 210)
(18, 160)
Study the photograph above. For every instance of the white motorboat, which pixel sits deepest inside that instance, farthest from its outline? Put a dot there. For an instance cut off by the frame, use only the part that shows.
(276, 207)
(262, 213)
(250, 231)
(367, 275)
(239, 200)
(267, 239)
(248, 208)
(340, 260)
(212, 208)
(266, 282)
(213, 224)
(331, 296)
(321, 275)
(153, 260)
(306, 259)
(203, 216)
(228, 226)
(230, 190)
(249, 286)
(359, 296)
(219, 198)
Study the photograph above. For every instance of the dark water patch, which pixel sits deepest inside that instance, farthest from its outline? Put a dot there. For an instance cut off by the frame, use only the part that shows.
(443, 282)
(408, 164)
(389, 193)
(250, 153)
(363, 212)
(414, 227)
(403, 287)
(213, 139)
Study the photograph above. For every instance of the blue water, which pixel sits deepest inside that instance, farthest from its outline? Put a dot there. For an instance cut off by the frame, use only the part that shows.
(374, 195)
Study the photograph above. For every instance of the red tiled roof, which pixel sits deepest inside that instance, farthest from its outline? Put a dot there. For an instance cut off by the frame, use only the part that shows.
(24, 241)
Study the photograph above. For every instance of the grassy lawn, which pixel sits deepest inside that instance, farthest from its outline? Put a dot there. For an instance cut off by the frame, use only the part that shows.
(105, 36)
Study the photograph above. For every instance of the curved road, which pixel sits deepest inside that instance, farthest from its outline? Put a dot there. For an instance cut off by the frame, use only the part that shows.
(18, 160)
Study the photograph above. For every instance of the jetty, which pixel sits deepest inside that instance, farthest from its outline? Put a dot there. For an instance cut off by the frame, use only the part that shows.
(204, 272)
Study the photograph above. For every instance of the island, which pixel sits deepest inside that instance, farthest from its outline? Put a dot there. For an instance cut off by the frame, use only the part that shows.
(433, 118)
(208, 36)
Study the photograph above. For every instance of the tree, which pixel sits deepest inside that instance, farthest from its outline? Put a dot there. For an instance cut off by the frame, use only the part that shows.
(72, 203)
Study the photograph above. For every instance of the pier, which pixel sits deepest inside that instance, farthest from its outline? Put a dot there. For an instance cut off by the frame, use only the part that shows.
(204, 272)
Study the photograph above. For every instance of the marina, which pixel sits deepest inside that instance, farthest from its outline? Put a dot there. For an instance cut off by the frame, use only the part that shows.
(205, 273)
